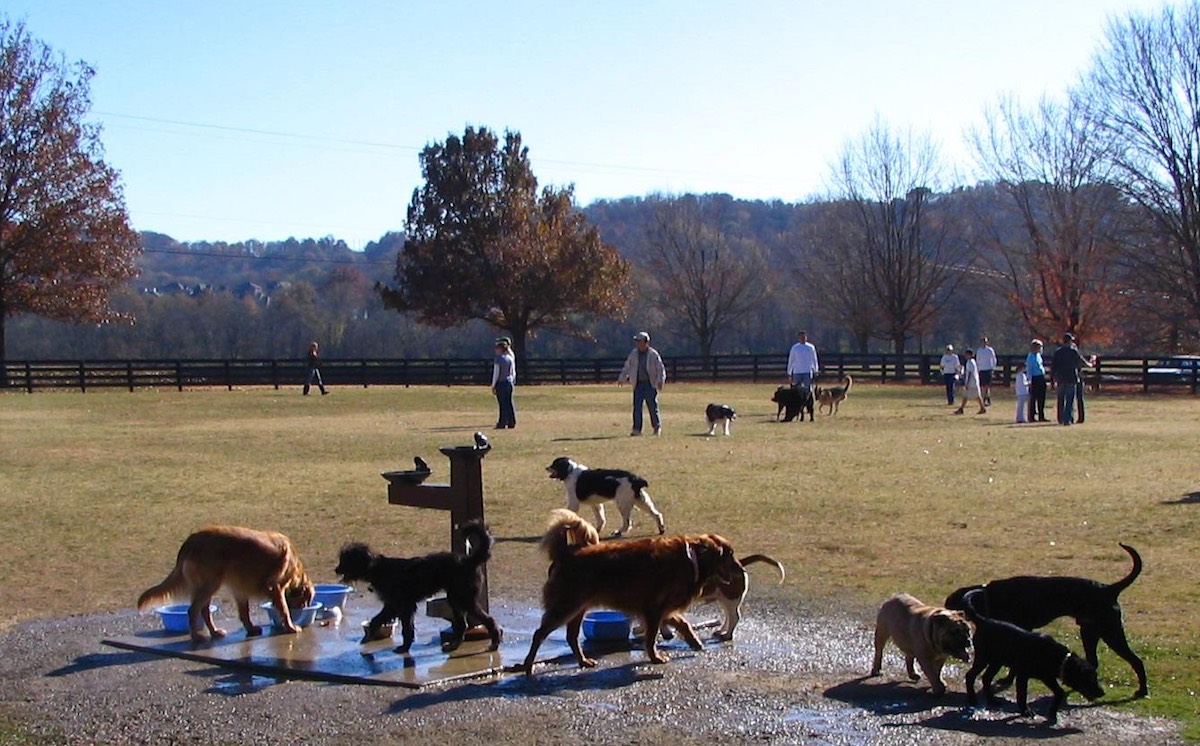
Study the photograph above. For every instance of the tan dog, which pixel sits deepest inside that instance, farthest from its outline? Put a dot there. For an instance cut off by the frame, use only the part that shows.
(927, 634)
(729, 595)
(830, 398)
(248, 563)
(654, 579)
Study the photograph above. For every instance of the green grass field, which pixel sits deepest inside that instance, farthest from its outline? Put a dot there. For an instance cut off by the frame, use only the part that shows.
(894, 493)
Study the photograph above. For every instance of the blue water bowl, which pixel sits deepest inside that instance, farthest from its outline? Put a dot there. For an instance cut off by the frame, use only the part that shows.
(175, 616)
(300, 617)
(331, 596)
(606, 625)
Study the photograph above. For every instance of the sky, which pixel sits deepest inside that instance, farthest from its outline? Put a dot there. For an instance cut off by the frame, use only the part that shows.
(302, 118)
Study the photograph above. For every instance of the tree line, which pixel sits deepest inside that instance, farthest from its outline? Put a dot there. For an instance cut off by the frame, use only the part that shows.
(1084, 217)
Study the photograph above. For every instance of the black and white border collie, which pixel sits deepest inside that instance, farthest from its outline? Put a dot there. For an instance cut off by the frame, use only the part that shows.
(719, 413)
(594, 487)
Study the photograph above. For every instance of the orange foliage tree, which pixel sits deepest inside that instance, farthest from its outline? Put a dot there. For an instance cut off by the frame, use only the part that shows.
(65, 240)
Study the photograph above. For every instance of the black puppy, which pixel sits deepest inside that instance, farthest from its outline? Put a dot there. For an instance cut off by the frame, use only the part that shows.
(403, 583)
(1030, 655)
(1032, 602)
(793, 400)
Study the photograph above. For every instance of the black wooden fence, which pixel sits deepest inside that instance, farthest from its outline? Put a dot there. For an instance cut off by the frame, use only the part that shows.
(1144, 373)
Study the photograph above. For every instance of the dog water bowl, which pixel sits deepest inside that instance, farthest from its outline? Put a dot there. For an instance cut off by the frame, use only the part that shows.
(408, 476)
(300, 617)
(606, 625)
(175, 616)
(331, 596)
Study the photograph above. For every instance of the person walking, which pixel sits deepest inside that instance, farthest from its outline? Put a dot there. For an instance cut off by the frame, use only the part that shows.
(1066, 366)
(504, 377)
(314, 370)
(803, 366)
(985, 358)
(1021, 389)
(971, 388)
(1036, 369)
(951, 368)
(644, 368)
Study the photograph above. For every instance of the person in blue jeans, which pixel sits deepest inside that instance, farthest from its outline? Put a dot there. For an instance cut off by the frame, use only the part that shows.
(504, 377)
(645, 370)
(1067, 368)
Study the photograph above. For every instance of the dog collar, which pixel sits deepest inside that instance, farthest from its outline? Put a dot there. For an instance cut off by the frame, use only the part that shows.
(691, 555)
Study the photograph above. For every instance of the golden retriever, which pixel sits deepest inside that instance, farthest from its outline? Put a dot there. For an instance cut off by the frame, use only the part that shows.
(248, 563)
(654, 578)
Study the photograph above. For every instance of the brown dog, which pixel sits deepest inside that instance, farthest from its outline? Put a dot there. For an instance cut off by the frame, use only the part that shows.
(830, 398)
(729, 595)
(653, 578)
(248, 563)
(927, 634)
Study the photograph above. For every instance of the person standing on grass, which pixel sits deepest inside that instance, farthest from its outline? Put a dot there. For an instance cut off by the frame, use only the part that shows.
(1021, 389)
(971, 384)
(644, 368)
(504, 377)
(1036, 369)
(314, 370)
(1067, 366)
(985, 358)
(803, 366)
(951, 368)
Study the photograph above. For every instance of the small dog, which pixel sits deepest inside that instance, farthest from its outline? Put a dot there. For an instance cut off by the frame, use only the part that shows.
(1030, 655)
(719, 413)
(1032, 602)
(831, 397)
(594, 487)
(730, 595)
(248, 563)
(793, 400)
(654, 579)
(927, 634)
(403, 583)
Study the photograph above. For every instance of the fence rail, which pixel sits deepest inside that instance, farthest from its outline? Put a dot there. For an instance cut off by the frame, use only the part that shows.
(1145, 372)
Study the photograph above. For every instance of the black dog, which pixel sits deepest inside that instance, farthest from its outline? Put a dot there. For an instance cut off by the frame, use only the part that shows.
(1030, 655)
(716, 414)
(1032, 602)
(403, 583)
(794, 400)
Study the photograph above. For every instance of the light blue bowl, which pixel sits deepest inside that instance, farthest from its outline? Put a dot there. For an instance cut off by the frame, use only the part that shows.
(300, 617)
(331, 595)
(175, 616)
(606, 625)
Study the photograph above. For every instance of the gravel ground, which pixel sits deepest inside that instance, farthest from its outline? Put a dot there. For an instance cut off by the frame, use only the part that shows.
(785, 680)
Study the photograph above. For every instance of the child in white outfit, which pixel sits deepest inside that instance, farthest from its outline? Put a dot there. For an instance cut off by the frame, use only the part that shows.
(1021, 388)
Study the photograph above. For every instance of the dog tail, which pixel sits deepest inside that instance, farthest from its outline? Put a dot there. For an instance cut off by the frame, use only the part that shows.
(639, 488)
(763, 558)
(567, 532)
(1127, 581)
(849, 382)
(173, 585)
(481, 542)
(969, 599)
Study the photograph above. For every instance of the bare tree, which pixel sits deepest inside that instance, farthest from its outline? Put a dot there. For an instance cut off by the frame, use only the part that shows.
(899, 237)
(704, 279)
(1143, 91)
(1057, 245)
(832, 274)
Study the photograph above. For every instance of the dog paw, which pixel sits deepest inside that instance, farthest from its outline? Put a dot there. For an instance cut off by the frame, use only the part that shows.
(723, 637)
(253, 631)
(218, 632)
(1141, 693)
(660, 658)
(587, 663)
(402, 649)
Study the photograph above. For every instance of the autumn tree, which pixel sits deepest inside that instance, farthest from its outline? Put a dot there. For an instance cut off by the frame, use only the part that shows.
(484, 243)
(65, 240)
(704, 278)
(1056, 246)
(1143, 92)
(895, 230)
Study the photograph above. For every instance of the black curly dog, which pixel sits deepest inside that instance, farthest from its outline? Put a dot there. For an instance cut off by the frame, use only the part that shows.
(793, 400)
(1029, 655)
(1035, 601)
(401, 584)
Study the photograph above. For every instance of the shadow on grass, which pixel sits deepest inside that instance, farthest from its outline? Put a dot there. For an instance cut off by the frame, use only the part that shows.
(546, 683)
(518, 539)
(583, 438)
(93, 661)
(949, 712)
(1191, 498)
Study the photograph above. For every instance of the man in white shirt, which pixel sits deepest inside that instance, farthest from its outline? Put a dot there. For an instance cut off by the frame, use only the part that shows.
(985, 358)
(802, 367)
(951, 366)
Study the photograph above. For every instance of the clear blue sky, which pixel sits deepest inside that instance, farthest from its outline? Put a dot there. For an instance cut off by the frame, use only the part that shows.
(269, 119)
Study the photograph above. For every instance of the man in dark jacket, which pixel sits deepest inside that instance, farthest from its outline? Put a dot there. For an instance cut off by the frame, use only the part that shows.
(1067, 368)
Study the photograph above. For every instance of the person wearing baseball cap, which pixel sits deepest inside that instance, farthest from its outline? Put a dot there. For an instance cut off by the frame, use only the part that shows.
(645, 370)
(504, 377)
